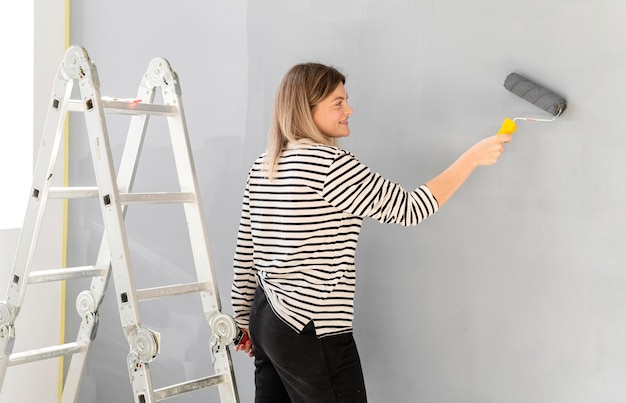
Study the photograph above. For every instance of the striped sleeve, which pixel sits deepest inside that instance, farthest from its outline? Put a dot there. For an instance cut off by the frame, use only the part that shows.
(354, 188)
(244, 282)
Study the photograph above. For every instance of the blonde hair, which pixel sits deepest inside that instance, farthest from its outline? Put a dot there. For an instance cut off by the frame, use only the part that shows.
(303, 87)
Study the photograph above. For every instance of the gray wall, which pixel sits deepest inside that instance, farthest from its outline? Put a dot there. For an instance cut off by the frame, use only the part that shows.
(514, 292)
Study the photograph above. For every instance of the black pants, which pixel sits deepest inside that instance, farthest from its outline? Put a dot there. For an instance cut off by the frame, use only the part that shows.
(302, 368)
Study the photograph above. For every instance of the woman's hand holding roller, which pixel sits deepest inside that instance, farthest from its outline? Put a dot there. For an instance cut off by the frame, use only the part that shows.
(488, 150)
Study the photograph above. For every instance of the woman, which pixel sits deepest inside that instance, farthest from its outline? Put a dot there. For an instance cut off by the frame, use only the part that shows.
(303, 206)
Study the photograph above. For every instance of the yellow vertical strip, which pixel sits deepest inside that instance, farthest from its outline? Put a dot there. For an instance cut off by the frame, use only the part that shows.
(66, 148)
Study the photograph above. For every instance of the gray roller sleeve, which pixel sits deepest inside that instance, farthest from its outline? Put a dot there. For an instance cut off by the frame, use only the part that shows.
(535, 94)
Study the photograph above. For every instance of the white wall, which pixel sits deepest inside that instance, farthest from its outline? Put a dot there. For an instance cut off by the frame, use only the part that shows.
(514, 292)
(39, 322)
(16, 111)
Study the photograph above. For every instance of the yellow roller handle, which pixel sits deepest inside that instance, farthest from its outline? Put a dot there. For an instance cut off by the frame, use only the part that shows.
(508, 127)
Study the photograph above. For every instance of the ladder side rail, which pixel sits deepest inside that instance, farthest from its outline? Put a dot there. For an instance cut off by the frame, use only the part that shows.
(188, 181)
(121, 267)
(43, 172)
(224, 365)
(138, 367)
(88, 302)
(126, 175)
(86, 333)
(194, 213)
(125, 179)
(109, 202)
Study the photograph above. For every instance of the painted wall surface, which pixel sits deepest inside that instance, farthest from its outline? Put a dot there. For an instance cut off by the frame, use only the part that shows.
(514, 292)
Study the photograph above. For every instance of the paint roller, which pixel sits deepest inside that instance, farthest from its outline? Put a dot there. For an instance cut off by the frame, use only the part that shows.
(536, 95)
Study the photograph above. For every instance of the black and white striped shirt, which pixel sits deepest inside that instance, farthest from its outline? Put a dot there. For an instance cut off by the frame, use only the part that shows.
(298, 233)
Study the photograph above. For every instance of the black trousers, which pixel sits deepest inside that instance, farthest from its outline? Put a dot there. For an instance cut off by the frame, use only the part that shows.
(302, 368)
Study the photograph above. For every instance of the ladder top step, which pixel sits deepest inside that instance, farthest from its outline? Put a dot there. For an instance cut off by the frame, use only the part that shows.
(124, 107)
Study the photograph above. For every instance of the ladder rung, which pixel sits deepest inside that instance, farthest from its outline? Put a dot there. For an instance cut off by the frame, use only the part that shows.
(125, 198)
(190, 386)
(126, 108)
(45, 353)
(145, 198)
(45, 276)
(75, 192)
(180, 289)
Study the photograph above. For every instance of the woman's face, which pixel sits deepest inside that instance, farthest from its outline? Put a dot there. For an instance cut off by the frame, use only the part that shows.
(331, 114)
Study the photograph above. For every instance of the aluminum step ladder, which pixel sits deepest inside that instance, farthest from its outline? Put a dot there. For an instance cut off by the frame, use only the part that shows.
(113, 260)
